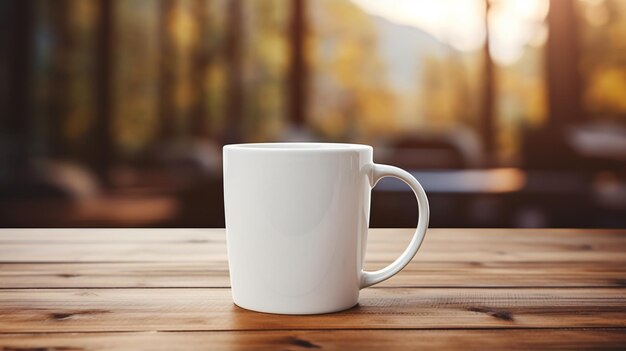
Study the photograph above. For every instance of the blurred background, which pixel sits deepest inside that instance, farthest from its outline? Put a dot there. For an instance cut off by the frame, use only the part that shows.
(512, 113)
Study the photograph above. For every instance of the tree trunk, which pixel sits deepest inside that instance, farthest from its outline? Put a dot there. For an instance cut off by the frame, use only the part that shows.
(19, 119)
(298, 78)
(234, 108)
(166, 73)
(201, 61)
(488, 123)
(104, 148)
(562, 58)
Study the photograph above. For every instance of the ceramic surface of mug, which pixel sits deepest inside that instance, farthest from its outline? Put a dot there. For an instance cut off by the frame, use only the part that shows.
(297, 216)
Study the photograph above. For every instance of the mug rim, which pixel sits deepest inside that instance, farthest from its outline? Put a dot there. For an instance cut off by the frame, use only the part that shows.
(298, 147)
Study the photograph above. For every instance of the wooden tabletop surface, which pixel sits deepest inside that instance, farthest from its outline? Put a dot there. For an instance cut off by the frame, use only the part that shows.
(167, 289)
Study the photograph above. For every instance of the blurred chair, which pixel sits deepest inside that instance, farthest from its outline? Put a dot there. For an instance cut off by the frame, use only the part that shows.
(456, 149)
(195, 171)
(51, 193)
(50, 179)
(576, 175)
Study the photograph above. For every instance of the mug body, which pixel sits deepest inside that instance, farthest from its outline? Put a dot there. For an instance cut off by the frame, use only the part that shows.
(296, 221)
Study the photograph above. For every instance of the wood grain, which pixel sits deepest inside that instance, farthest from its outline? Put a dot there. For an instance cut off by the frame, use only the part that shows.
(389, 235)
(197, 245)
(82, 310)
(99, 235)
(167, 289)
(215, 275)
(597, 339)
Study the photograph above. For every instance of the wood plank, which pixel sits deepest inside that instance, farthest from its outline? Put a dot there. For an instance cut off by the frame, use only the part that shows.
(384, 245)
(115, 275)
(107, 252)
(76, 310)
(215, 275)
(597, 339)
(207, 253)
(111, 235)
(120, 235)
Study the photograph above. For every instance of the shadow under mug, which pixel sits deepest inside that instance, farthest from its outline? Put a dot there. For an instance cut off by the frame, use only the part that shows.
(297, 216)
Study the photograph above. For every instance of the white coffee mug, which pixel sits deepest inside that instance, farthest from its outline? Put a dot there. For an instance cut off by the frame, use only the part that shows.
(297, 216)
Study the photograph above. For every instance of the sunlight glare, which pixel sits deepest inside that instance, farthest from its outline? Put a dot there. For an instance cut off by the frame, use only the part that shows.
(460, 23)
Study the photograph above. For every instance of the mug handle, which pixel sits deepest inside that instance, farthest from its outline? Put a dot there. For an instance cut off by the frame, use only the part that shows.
(382, 171)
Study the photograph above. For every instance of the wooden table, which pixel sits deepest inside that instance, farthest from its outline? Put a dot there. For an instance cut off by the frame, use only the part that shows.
(165, 289)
